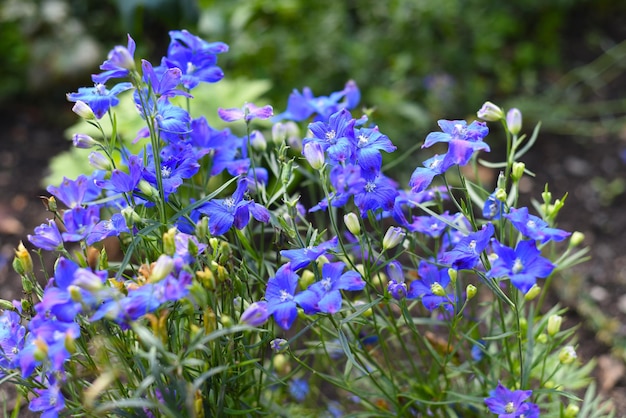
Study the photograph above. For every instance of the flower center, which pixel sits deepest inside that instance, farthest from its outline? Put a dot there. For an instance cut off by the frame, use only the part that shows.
(101, 89)
(229, 202)
(362, 141)
(459, 130)
(531, 224)
(166, 172)
(370, 186)
(190, 68)
(509, 408)
(326, 284)
(285, 296)
(517, 266)
(472, 245)
(331, 134)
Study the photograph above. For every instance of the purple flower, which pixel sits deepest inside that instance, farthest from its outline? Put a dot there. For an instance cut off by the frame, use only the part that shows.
(195, 57)
(534, 227)
(493, 207)
(47, 237)
(280, 296)
(107, 228)
(324, 295)
(248, 112)
(122, 182)
(303, 256)
(369, 143)
(79, 222)
(233, 211)
(255, 315)
(466, 252)
(71, 192)
(430, 225)
(507, 403)
(430, 279)
(162, 80)
(99, 98)
(377, 192)
(522, 265)
(178, 162)
(49, 401)
(423, 176)
(12, 335)
(119, 61)
(338, 132)
(458, 130)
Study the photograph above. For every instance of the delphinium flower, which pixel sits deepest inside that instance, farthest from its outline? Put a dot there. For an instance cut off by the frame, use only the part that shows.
(376, 192)
(187, 247)
(301, 257)
(73, 193)
(335, 136)
(430, 287)
(79, 222)
(433, 226)
(248, 112)
(301, 106)
(107, 228)
(256, 314)
(493, 208)
(458, 130)
(298, 389)
(233, 211)
(118, 64)
(47, 236)
(534, 227)
(280, 295)
(49, 401)
(222, 146)
(325, 295)
(12, 334)
(178, 163)
(163, 81)
(466, 252)
(122, 182)
(172, 121)
(522, 265)
(510, 403)
(422, 177)
(195, 57)
(99, 98)
(396, 286)
(369, 143)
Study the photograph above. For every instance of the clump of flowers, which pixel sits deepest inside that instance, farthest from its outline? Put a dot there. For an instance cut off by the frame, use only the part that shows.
(238, 293)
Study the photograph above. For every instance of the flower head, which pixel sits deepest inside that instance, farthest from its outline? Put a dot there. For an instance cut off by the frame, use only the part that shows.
(248, 112)
(466, 252)
(118, 64)
(508, 403)
(280, 294)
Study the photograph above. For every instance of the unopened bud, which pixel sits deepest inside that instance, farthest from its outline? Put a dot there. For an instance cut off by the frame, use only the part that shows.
(567, 355)
(227, 321)
(83, 141)
(518, 171)
(147, 189)
(307, 278)
(131, 216)
(533, 292)
(281, 364)
(314, 154)
(542, 338)
(490, 112)
(554, 324)
(452, 273)
(255, 315)
(576, 239)
(99, 161)
(571, 411)
(257, 141)
(279, 133)
(470, 290)
(352, 223)
(393, 237)
(514, 121)
(6, 305)
(202, 228)
(169, 241)
(22, 254)
(501, 195)
(161, 268)
(83, 110)
(279, 344)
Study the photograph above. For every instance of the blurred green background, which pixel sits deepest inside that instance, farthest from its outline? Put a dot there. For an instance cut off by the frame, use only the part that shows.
(415, 60)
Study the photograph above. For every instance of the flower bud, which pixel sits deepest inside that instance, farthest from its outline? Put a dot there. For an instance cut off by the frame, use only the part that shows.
(279, 133)
(518, 171)
(6, 305)
(255, 315)
(576, 239)
(352, 223)
(501, 195)
(147, 189)
(83, 110)
(120, 56)
(554, 324)
(514, 121)
(22, 254)
(571, 411)
(207, 279)
(281, 364)
(533, 292)
(257, 141)
(279, 344)
(227, 321)
(437, 289)
(470, 291)
(169, 242)
(542, 338)
(366, 313)
(131, 216)
(161, 268)
(490, 112)
(99, 161)
(567, 355)
(452, 273)
(83, 141)
(393, 237)
(314, 154)
(307, 278)
(287, 174)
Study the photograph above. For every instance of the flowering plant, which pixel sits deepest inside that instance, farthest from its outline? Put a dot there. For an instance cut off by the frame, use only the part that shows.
(235, 293)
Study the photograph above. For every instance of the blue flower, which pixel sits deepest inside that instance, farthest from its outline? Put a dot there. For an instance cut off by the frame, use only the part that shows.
(454, 130)
(122, 182)
(178, 162)
(423, 176)
(522, 265)
(431, 225)
(369, 143)
(99, 98)
(303, 256)
(163, 81)
(508, 403)
(298, 389)
(73, 192)
(493, 207)
(47, 237)
(338, 132)
(195, 57)
(248, 112)
(12, 335)
(119, 61)
(79, 222)
(49, 401)
(255, 315)
(107, 228)
(324, 295)
(466, 252)
(280, 294)
(431, 278)
(534, 227)
(233, 211)
(376, 192)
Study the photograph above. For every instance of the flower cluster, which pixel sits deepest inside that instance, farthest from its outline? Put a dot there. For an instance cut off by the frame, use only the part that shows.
(217, 246)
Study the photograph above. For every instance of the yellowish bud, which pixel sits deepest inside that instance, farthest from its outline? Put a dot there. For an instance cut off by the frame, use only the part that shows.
(352, 223)
(554, 324)
(567, 355)
(470, 290)
(532, 293)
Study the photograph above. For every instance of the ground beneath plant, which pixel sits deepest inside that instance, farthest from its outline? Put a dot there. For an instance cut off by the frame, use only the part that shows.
(590, 169)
